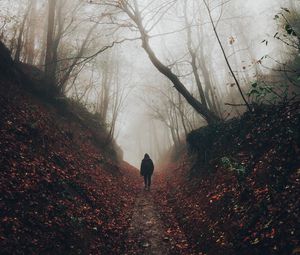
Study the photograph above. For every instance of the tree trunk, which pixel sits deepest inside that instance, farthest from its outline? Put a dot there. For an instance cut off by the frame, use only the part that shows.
(30, 44)
(181, 113)
(225, 57)
(49, 65)
(105, 94)
(20, 36)
(67, 73)
(43, 48)
(193, 57)
(209, 116)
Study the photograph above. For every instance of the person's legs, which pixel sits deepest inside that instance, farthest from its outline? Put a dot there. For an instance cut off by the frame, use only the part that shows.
(145, 180)
(149, 180)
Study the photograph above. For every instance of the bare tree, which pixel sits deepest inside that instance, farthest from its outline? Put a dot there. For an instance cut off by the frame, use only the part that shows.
(214, 26)
(172, 111)
(136, 17)
(31, 34)
(62, 83)
(49, 59)
(192, 53)
(19, 45)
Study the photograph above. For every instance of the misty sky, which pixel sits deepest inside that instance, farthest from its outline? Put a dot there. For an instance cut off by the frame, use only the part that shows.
(135, 124)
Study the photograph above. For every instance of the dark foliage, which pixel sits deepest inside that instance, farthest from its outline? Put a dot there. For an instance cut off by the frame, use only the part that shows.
(244, 141)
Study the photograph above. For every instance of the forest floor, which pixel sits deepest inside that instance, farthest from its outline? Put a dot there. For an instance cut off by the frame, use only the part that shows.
(61, 194)
(149, 232)
(146, 232)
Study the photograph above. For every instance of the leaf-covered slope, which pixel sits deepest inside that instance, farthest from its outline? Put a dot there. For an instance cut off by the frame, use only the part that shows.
(59, 193)
(242, 196)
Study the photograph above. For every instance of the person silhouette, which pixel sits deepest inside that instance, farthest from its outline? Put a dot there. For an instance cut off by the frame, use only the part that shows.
(147, 169)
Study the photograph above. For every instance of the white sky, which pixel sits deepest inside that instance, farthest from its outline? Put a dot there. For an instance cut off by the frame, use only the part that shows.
(134, 119)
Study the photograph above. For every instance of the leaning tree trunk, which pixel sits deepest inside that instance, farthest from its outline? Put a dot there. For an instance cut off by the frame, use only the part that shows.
(208, 115)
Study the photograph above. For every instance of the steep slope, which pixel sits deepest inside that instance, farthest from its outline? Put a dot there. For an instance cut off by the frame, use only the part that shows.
(241, 194)
(60, 193)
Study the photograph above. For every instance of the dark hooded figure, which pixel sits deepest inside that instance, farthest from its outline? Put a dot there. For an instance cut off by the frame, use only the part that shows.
(147, 168)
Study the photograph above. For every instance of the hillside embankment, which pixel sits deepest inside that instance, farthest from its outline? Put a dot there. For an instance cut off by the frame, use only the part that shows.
(237, 191)
(62, 190)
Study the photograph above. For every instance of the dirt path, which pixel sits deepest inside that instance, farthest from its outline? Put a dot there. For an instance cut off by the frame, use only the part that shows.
(146, 233)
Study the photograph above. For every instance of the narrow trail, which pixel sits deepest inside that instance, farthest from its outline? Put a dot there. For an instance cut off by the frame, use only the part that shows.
(147, 233)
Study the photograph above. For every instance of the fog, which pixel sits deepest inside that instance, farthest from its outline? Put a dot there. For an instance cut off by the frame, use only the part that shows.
(136, 124)
(138, 107)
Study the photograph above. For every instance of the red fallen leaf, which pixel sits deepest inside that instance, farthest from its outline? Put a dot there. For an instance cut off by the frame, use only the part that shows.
(247, 238)
(169, 230)
(271, 234)
(215, 197)
(182, 245)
